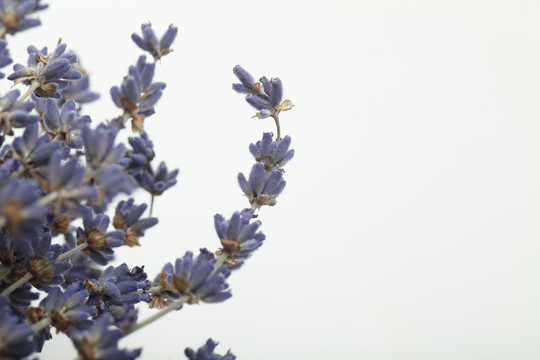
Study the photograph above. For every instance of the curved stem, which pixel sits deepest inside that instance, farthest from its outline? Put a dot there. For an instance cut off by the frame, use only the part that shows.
(175, 305)
(276, 119)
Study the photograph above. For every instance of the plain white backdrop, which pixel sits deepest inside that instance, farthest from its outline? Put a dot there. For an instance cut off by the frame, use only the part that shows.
(409, 227)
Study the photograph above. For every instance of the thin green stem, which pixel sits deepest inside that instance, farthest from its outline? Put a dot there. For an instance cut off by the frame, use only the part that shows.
(175, 305)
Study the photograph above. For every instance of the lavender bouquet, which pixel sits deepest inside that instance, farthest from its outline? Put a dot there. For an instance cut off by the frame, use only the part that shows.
(65, 205)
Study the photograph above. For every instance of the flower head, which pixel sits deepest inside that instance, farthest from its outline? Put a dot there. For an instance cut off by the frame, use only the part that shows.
(128, 219)
(273, 154)
(138, 94)
(5, 59)
(64, 124)
(13, 14)
(94, 233)
(100, 342)
(14, 115)
(47, 74)
(195, 278)
(20, 209)
(156, 183)
(15, 335)
(238, 236)
(262, 189)
(150, 43)
(206, 352)
(265, 95)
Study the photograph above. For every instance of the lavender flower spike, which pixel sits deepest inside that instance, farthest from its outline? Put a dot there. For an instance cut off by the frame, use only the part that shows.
(195, 278)
(100, 242)
(206, 352)
(262, 190)
(273, 154)
(149, 41)
(47, 74)
(15, 335)
(238, 236)
(101, 342)
(247, 83)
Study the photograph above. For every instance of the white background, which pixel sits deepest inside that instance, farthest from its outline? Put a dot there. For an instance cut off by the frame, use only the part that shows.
(409, 226)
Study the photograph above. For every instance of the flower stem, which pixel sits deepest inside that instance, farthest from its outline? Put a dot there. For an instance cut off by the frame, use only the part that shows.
(72, 251)
(33, 86)
(16, 284)
(50, 197)
(175, 305)
(276, 119)
(152, 290)
(42, 324)
(220, 260)
(29, 275)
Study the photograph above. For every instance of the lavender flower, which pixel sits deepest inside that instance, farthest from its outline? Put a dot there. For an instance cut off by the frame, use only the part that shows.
(247, 82)
(13, 15)
(103, 158)
(5, 59)
(47, 74)
(100, 242)
(138, 94)
(138, 159)
(266, 95)
(14, 115)
(15, 335)
(157, 183)
(238, 236)
(21, 213)
(128, 219)
(65, 124)
(20, 298)
(40, 256)
(150, 43)
(79, 90)
(35, 151)
(118, 286)
(273, 154)
(260, 189)
(66, 311)
(194, 278)
(67, 181)
(206, 352)
(100, 342)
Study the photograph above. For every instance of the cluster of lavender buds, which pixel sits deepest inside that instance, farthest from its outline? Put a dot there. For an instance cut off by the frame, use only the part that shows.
(60, 176)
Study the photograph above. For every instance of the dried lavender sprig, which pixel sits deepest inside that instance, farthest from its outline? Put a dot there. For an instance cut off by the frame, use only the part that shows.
(28, 276)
